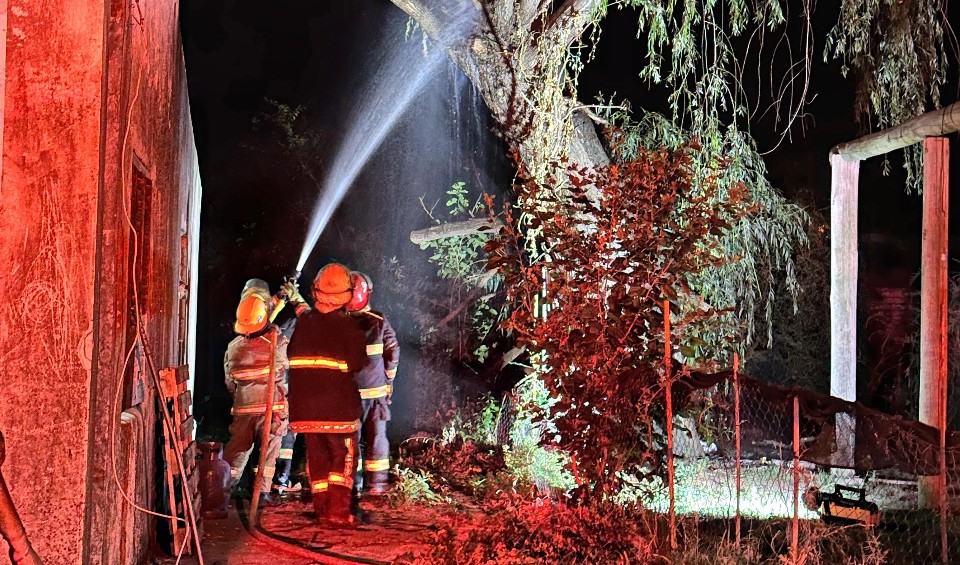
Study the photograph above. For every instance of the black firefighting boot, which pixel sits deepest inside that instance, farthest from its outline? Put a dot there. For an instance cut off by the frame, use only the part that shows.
(281, 483)
(339, 512)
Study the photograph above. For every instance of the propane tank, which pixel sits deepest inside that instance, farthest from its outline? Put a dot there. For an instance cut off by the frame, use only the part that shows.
(214, 481)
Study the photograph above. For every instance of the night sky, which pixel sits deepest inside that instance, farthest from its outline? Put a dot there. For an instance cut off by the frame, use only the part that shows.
(320, 55)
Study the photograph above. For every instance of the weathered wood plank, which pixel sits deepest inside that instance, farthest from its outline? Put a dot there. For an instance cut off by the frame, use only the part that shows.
(186, 429)
(184, 403)
(183, 374)
(938, 122)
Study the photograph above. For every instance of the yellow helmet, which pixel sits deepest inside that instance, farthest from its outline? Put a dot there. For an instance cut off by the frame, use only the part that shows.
(253, 314)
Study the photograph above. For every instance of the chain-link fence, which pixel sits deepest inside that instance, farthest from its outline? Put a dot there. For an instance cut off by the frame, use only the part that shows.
(747, 454)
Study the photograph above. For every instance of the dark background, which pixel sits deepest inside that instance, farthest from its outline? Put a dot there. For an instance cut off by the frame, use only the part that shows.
(322, 55)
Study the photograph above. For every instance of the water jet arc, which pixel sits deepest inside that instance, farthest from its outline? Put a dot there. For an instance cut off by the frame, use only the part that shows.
(394, 87)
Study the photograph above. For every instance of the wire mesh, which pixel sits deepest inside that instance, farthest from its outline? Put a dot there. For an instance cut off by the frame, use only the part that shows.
(816, 463)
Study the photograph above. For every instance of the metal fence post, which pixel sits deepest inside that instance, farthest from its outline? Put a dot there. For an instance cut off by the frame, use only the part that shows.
(944, 482)
(669, 394)
(795, 541)
(736, 433)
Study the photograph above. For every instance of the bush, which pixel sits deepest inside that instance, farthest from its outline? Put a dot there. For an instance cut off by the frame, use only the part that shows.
(487, 448)
(513, 530)
(414, 486)
(588, 295)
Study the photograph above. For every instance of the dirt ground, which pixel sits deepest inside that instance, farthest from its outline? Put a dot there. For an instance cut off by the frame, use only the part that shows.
(290, 535)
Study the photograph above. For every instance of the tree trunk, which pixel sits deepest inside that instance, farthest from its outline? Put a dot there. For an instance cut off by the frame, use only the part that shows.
(487, 57)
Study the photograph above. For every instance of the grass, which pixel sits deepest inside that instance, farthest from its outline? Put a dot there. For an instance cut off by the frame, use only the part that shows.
(707, 487)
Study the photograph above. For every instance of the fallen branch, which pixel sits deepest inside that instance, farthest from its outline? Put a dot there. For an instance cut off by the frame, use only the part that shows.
(455, 229)
(510, 356)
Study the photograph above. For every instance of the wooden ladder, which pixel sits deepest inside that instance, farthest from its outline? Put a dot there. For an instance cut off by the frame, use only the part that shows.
(173, 383)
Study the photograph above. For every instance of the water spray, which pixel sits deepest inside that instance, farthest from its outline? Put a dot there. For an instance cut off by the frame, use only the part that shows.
(397, 85)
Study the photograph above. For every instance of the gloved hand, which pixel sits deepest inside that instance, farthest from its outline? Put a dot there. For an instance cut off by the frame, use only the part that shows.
(292, 292)
(389, 392)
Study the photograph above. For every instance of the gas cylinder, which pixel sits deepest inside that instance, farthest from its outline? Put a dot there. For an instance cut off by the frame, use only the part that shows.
(214, 481)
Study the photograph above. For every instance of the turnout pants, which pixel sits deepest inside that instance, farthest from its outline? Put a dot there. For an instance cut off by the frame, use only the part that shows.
(376, 451)
(245, 430)
(331, 459)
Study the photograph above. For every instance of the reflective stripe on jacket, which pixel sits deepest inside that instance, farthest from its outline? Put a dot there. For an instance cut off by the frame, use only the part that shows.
(383, 355)
(246, 366)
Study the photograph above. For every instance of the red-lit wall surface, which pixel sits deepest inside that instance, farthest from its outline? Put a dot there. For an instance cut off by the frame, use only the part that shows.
(96, 129)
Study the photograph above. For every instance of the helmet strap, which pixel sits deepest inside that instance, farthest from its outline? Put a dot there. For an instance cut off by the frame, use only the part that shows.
(259, 333)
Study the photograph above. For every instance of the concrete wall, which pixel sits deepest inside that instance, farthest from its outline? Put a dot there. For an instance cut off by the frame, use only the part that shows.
(48, 210)
(94, 89)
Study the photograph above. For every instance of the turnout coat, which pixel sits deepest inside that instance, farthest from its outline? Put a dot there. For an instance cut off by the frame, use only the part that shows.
(375, 380)
(324, 355)
(246, 366)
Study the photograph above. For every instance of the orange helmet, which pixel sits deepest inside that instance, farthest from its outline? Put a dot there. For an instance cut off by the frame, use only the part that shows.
(362, 287)
(332, 286)
(253, 314)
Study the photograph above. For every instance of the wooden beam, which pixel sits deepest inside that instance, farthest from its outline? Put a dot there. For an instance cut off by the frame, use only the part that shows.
(843, 296)
(935, 123)
(455, 229)
(933, 299)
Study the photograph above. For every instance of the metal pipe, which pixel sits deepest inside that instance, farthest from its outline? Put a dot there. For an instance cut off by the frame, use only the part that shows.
(736, 432)
(11, 526)
(669, 397)
(795, 538)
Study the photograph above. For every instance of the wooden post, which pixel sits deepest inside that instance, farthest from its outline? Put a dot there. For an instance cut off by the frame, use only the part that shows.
(736, 434)
(254, 517)
(843, 297)
(795, 540)
(669, 397)
(933, 299)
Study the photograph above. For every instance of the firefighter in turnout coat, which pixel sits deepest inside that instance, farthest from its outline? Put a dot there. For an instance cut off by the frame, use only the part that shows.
(246, 367)
(375, 382)
(326, 351)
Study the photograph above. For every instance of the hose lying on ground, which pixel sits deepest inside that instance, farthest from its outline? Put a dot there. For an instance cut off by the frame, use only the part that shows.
(321, 556)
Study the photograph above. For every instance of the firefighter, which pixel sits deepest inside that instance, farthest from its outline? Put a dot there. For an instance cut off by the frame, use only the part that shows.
(375, 382)
(260, 288)
(325, 352)
(247, 376)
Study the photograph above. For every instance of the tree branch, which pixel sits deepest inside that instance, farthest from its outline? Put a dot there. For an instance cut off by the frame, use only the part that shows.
(455, 229)
(570, 20)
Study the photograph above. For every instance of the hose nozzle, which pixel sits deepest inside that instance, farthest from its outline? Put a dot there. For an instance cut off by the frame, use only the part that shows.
(289, 279)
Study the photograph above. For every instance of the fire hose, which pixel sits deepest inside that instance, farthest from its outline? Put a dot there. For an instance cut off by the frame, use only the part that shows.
(11, 526)
(266, 429)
